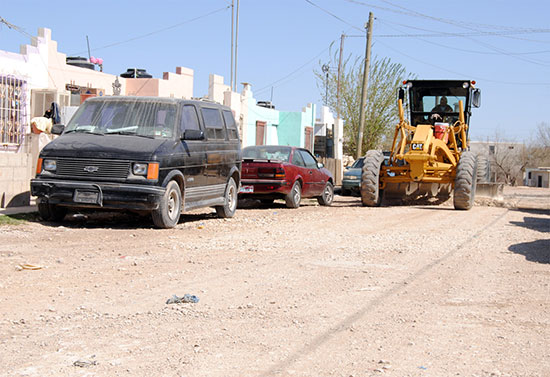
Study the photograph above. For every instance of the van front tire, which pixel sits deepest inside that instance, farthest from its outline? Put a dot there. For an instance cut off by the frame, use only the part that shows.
(168, 213)
(51, 211)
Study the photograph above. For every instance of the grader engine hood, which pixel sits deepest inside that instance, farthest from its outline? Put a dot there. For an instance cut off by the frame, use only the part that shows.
(418, 155)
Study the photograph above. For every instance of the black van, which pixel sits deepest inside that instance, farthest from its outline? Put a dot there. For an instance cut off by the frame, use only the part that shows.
(161, 155)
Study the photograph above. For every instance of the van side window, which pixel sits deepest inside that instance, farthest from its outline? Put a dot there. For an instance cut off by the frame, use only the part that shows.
(213, 123)
(231, 125)
(189, 118)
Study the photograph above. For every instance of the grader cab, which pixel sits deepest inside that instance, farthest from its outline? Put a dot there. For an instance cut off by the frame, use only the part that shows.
(429, 157)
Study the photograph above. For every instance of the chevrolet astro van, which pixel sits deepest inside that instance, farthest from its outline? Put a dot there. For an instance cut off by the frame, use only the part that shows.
(144, 154)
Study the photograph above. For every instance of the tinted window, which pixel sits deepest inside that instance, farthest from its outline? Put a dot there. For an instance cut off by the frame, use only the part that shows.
(298, 160)
(308, 159)
(269, 152)
(213, 123)
(358, 163)
(189, 119)
(231, 125)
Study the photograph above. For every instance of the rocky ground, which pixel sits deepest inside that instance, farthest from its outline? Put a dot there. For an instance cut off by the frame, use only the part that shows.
(317, 291)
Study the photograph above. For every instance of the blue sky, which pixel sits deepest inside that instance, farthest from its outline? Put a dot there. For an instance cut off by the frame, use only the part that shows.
(503, 45)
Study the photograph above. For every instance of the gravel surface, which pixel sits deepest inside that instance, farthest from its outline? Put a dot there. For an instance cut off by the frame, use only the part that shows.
(315, 291)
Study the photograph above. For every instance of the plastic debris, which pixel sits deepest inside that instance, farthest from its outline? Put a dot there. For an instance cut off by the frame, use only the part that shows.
(187, 298)
(84, 363)
(27, 266)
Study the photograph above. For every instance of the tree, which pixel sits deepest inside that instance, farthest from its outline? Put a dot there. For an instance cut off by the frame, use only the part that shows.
(539, 147)
(381, 108)
(508, 158)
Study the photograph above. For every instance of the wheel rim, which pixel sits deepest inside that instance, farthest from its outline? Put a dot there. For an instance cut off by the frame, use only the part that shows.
(296, 193)
(231, 198)
(327, 194)
(173, 204)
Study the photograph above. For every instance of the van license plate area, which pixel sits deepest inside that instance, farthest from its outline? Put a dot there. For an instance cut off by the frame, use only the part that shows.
(86, 196)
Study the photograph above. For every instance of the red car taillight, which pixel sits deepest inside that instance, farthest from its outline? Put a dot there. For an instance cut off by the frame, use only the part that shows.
(277, 173)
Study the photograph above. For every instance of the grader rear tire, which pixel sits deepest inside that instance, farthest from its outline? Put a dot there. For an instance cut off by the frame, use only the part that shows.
(483, 169)
(465, 181)
(371, 195)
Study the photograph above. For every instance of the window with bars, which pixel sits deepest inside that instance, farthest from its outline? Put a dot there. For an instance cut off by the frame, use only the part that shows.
(13, 106)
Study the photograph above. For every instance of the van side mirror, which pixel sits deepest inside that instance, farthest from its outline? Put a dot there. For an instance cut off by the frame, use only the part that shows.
(193, 135)
(401, 94)
(320, 165)
(476, 98)
(57, 129)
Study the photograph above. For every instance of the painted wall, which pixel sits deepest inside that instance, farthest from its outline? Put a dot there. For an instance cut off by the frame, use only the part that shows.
(292, 126)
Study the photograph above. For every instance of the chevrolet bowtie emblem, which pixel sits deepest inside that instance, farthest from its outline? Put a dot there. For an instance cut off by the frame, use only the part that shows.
(91, 169)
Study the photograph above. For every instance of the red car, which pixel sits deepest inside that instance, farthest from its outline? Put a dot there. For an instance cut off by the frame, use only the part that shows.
(272, 172)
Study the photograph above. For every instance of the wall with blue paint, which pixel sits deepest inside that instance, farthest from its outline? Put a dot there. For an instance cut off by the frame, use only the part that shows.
(292, 126)
(262, 114)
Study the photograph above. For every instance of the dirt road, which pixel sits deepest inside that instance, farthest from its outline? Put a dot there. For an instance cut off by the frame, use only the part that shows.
(317, 291)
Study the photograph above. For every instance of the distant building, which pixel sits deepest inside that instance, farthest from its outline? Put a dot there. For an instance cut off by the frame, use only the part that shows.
(506, 159)
(537, 177)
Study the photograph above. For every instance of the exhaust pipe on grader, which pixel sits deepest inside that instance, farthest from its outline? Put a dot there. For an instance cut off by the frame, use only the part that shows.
(429, 157)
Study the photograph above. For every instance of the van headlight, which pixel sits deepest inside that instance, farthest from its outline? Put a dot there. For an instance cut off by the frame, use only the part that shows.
(139, 169)
(49, 165)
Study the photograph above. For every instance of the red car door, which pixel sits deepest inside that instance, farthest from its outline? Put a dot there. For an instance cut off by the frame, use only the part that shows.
(317, 179)
(304, 172)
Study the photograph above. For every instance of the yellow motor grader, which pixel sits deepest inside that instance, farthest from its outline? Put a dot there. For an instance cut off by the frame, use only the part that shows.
(429, 156)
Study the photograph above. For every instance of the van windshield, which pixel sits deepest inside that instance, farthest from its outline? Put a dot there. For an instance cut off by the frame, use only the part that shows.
(125, 117)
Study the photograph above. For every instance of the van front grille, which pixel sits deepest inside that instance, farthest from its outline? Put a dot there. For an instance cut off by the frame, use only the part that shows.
(110, 169)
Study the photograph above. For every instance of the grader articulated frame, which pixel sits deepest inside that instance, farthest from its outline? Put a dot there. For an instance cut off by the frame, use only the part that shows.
(429, 155)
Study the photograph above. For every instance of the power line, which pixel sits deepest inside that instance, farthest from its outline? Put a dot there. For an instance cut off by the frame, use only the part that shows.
(403, 10)
(157, 31)
(333, 15)
(462, 74)
(297, 69)
(454, 48)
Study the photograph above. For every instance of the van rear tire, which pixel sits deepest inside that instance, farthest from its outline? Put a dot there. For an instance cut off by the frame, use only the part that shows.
(230, 201)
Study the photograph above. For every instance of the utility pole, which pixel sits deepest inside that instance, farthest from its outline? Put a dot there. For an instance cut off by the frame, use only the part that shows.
(236, 45)
(339, 76)
(365, 85)
(232, 38)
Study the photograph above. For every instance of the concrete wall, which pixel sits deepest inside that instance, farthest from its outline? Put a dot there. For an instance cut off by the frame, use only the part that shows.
(15, 176)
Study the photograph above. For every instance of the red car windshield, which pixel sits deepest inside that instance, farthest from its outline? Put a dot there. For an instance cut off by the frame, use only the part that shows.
(267, 152)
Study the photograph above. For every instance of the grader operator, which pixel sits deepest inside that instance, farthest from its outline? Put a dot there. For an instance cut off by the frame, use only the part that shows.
(429, 155)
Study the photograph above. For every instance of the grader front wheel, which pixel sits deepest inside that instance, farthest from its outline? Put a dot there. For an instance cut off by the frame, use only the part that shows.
(465, 181)
(371, 195)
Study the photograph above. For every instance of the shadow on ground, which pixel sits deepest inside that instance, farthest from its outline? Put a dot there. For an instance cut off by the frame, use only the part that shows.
(540, 224)
(535, 251)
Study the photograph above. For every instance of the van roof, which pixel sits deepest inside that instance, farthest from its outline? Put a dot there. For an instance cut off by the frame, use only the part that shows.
(157, 99)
